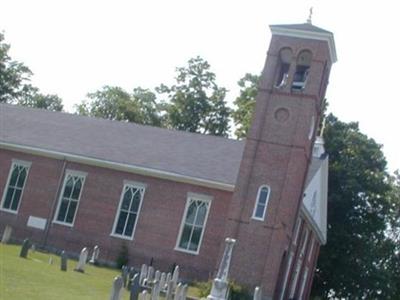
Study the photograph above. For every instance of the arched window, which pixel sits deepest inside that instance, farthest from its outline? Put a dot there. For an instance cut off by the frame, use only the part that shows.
(302, 69)
(285, 57)
(261, 203)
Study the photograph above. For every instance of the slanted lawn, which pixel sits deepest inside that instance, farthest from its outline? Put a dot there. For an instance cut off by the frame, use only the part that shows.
(35, 279)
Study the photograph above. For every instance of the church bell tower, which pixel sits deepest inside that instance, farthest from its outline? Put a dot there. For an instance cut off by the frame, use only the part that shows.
(278, 150)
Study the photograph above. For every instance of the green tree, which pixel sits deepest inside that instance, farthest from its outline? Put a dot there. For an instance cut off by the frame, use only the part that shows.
(14, 76)
(359, 258)
(115, 103)
(196, 103)
(245, 104)
(37, 100)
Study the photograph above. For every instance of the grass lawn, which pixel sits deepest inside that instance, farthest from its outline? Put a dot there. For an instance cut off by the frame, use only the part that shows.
(34, 278)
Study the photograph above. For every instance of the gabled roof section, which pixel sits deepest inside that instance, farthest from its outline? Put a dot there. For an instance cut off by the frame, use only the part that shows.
(308, 31)
(158, 151)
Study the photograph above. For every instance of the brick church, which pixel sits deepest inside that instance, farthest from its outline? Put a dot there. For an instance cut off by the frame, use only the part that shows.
(69, 181)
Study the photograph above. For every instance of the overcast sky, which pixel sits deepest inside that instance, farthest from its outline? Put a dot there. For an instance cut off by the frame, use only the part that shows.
(76, 47)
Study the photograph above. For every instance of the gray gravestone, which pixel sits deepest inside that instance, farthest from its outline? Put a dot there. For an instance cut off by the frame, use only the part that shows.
(116, 290)
(95, 255)
(150, 274)
(170, 290)
(6, 234)
(175, 277)
(162, 281)
(219, 288)
(135, 287)
(143, 274)
(143, 295)
(184, 292)
(257, 293)
(132, 272)
(155, 290)
(125, 274)
(178, 291)
(80, 267)
(64, 260)
(25, 248)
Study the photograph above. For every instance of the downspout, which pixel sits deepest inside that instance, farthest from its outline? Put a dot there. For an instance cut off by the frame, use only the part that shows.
(54, 204)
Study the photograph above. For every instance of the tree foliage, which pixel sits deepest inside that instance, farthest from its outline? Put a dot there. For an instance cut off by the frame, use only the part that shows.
(115, 103)
(15, 86)
(245, 104)
(360, 260)
(14, 76)
(196, 103)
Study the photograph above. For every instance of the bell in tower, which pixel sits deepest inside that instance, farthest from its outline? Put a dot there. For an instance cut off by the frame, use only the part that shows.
(268, 198)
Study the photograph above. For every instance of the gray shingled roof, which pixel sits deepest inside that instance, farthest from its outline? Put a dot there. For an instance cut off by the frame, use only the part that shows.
(303, 27)
(196, 155)
(183, 153)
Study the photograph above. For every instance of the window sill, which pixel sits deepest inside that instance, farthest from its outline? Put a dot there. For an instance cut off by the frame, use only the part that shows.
(258, 219)
(10, 211)
(187, 251)
(63, 223)
(121, 237)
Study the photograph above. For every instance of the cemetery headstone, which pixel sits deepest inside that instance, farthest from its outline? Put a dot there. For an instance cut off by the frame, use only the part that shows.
(24, 248)
(163, 277)
(33, 248)
(155, 290)
(175, 277)
(170, 290)
(184, 291)
(116, 290)
(80, 267)
(125, 274)
(143, 274)
(178, 291)
(257, 293)
(6, 234)
(220, 284)
(157, 275)
(132, 272)
(95, 255)
(135, 287)
(143, 295)
(64, 259)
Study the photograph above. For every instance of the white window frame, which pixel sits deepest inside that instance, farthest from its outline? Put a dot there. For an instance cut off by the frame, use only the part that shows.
(71, 173)
(136, 185)
(299, 263)
(14, 162)
(196, 197)
(257, 201)
(285, 280)
(297, 231)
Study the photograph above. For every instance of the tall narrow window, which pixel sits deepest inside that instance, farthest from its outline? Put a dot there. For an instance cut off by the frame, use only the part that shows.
(69, 197)
(302, 70)
(193, 223)
(285, 57)
(261, 203)
(15, 185)
(299, 264)
(128, 210)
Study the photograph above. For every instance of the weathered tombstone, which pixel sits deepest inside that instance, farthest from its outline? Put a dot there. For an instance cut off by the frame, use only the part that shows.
(175, 277)
(169, 275)
(220, 284)
(131, 273)
(24, 248)
(257, 293)
(178, 291)
(143, 274)
(155, 290)
(125, 274)
(143, 295)
(95, 255)
(116, 290)
(150, 274)
(157, 275)
(162, 280)
(33, 248)
(135, 287)
(50, 260)
(64, 259)
(6, 234)
(80, 267)
(184, 291)
(170, 290)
